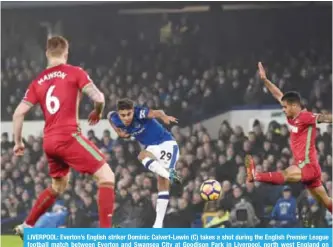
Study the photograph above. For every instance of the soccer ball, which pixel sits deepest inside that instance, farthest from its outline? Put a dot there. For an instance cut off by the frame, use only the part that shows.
(210, 190)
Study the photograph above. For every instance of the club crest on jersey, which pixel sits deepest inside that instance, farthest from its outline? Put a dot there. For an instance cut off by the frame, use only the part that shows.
(49, 76)
(293, 128)
(138, 132)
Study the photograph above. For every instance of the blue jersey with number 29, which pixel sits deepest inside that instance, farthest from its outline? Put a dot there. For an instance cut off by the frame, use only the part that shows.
(145, 130)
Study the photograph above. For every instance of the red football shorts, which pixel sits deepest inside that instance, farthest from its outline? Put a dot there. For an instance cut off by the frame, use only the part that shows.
(311, 175)
(75, 152)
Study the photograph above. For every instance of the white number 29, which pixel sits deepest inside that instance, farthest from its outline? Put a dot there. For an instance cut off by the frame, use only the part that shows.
(52, 109)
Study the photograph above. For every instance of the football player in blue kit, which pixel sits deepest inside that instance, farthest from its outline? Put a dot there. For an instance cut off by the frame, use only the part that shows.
(161, 151)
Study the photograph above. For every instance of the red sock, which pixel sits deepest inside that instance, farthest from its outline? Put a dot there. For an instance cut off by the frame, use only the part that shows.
(105, 206)
(270, 177)
(44, 201)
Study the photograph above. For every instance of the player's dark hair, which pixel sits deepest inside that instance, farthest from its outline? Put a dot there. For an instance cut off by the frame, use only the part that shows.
(292, 97)
(125, 104)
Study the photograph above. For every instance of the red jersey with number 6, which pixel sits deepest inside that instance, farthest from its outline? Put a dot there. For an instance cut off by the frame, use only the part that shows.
(303, 138)
(58, 91)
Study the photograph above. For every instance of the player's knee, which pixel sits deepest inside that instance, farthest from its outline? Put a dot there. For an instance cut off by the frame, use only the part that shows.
(145, 154)
(107, 179)
(142, 155)
(285, 174)
(105, 175)
(292, 174)
(59, 185)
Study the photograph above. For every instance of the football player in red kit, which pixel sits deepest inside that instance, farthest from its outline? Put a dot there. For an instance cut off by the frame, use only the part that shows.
(58, 90)
(302, 126)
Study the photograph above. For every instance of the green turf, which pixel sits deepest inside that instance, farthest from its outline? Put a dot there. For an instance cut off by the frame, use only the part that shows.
(11, 241)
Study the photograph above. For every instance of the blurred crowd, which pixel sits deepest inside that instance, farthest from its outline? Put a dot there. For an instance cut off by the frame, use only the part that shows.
(201, 158)
(192, 70)
(190, 92)
(175, 71)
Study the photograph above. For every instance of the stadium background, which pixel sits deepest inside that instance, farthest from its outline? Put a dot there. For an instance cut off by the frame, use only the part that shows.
(196, 62)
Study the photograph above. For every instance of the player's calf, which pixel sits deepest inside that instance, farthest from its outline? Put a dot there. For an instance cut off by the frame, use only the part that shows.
(163, 184)
(266, 177)
(291, 174)
(162, 201)
(326, 201)
(276, 178)
(44, 201)
(105, 181)
(320, 194)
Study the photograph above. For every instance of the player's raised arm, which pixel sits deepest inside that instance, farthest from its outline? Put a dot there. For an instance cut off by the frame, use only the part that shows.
(89, 88)
(160, 114)
(21, 110)
(95, 95)
(275, 91)
(314, 118)
(324, 118)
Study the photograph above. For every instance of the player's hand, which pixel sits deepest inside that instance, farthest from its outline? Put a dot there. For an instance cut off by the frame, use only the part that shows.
(18, 149)
(262, 72)
(94, 117)
(169, 119)
(123, 134)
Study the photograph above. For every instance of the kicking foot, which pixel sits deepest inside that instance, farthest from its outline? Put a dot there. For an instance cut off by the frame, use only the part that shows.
(250, 168)
(174, 177)
(19, 229)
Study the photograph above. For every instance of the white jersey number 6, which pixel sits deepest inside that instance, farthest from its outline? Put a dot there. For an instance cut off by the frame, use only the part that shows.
(52, 102)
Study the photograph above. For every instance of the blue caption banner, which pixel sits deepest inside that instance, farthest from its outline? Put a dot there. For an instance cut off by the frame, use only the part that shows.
(176, 237)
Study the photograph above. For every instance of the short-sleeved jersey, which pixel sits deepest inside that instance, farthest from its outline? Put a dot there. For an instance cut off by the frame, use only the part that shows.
(145, 130)
(303, 138)
(58, 91)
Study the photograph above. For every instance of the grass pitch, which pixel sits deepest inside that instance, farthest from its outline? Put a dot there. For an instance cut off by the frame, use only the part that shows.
(11, 241)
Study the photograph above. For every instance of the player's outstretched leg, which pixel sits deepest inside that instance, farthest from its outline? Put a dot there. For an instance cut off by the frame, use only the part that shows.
(163, 182)
(320, 194)
(162, 201)
(44, 201)
(291, 174)
(105, 181)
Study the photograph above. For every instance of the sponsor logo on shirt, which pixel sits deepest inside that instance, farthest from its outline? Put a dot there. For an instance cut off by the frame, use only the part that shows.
(293, 128)
(138, 132)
